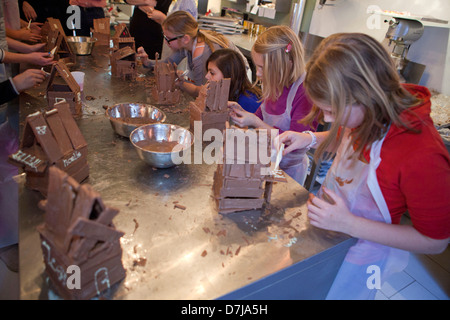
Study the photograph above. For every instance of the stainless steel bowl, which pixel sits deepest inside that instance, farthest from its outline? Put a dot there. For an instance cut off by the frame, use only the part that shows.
(81, 46)
(160, 132)
(118, 113)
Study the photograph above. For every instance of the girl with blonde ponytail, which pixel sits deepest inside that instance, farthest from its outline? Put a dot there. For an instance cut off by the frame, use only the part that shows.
(278, 56)
(183, 36)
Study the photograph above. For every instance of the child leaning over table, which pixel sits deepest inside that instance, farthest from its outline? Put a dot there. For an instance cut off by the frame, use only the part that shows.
(228, 64)
(279, 59)
(183, 36)
(389, 159)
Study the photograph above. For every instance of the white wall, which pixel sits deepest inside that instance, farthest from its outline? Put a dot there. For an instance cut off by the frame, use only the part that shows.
(432, 49)
(214, 5)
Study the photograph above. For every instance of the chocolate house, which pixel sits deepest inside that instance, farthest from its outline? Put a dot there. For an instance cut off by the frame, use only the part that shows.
(78, 232)
(165, 90)
(244, 181)
(101, 31)
(49, 139)
(63, 87)
(123, 56)
(123, 63)
(56, 37)
(210, 107)
(122, 37)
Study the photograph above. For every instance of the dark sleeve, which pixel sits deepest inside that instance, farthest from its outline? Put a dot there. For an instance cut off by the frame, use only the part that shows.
(7, 91)
(163, 5)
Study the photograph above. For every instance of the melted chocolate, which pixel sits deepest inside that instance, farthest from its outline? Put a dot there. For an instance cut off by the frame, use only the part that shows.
(157, 146)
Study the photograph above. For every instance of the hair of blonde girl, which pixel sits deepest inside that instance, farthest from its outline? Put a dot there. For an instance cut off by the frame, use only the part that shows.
(183, 23)
(354, 68)
(283, 57)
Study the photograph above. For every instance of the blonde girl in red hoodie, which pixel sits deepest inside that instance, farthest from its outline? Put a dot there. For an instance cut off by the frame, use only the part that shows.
(389, 160)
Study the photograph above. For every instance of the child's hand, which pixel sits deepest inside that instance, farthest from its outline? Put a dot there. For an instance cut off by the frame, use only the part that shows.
(28, 11)
(40, 58)
(28, 79)
(241, 117)
(294, 140)
(26, 34)
(330, 213)
(141, 54)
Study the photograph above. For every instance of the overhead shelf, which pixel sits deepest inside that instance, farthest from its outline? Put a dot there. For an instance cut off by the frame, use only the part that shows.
(427, 21)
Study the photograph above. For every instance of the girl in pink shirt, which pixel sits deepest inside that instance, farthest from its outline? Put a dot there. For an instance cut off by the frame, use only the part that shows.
(278, 57)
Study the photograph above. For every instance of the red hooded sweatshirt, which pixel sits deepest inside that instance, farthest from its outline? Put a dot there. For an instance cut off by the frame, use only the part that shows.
(414, 173)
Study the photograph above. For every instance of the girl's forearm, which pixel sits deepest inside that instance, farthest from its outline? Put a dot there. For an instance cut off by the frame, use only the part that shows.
(404, 237)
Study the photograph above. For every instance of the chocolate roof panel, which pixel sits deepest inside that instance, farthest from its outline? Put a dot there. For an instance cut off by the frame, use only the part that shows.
(60, 134)
(44, 137)
(61, 68)
(71, 127)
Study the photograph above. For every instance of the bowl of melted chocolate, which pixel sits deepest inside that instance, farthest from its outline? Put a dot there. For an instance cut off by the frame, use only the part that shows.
(162, 145)
(125, 117)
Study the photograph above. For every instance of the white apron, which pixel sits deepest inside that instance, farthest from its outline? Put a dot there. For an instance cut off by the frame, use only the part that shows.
(367, 264)
(295, 163)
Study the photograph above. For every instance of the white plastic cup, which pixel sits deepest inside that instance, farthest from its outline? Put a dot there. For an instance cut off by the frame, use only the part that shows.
(79, 78)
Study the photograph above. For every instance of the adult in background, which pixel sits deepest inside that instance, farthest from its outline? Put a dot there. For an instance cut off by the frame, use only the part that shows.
(90, 10)
(40, 10)
(147, 32)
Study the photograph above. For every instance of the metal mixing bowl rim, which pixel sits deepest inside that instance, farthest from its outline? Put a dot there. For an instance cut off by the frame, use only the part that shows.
(70, 39)
(145, 104)
(165, 124)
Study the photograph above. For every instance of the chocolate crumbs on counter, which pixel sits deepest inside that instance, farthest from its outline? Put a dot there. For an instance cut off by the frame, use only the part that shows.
(179, 206)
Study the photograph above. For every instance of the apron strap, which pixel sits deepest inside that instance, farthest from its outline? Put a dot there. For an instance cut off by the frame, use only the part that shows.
(372, 181)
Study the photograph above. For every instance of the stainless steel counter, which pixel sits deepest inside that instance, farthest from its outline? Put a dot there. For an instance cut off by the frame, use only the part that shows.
(170, 253)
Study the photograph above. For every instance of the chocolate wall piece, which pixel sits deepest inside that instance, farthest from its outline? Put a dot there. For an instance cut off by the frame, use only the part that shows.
(123, 56)
(66, 89)
(210, 107)
(101, 31)
(165, 90)
(49, 139)
(78, 231)
(243, 182)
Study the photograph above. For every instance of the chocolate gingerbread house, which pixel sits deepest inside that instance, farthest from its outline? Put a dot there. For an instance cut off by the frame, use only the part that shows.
(165, 91)
(210, 107)
(123, 56)
(101, 31)
(122, 37)
(49, 139)
(63, 87)
(244, 181)
(123, 63)
(78, 232)
(63, 52)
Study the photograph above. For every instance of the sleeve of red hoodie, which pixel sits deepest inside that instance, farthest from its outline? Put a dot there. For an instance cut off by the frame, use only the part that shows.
(414, 174)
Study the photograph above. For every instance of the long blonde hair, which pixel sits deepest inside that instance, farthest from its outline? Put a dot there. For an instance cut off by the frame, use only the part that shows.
(183, 23)
(283, 57)
(354, 68)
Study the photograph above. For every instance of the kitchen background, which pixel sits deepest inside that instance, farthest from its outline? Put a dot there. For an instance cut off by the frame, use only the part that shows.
(431, 50)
